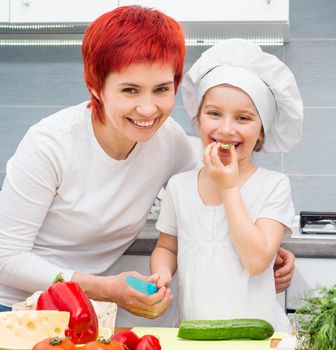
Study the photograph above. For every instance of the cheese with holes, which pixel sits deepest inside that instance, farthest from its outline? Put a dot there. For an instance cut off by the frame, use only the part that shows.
(106, 311)
(23, 329)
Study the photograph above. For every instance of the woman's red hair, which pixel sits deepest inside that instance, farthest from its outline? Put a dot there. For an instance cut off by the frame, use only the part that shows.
(127, 35)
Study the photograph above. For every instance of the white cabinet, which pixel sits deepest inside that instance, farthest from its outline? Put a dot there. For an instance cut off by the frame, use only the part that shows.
(264, 20)
(219, 10)
(4, 11)
(310, 273)
(205, 22)
(60, 11)
(83, 11)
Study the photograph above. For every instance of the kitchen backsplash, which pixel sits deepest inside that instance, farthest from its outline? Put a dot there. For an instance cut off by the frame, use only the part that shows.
(37, 81)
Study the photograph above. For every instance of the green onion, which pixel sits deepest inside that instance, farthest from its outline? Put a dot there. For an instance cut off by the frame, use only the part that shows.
(317, 320)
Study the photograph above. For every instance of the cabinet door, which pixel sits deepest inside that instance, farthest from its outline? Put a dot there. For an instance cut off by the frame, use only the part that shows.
(219, 10)
(60, 11)
(4, 11)
(309, 274)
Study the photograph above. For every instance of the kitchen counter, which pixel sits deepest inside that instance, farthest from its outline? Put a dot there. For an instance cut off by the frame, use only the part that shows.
(300, 247)
(169, 340)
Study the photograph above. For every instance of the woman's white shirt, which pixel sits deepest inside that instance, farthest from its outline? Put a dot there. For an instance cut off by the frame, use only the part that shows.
(65, 205)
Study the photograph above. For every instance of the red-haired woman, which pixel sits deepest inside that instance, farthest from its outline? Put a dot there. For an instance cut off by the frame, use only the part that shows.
(80, 186)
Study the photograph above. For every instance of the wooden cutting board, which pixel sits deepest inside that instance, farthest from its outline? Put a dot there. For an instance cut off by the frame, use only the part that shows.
(169, 341)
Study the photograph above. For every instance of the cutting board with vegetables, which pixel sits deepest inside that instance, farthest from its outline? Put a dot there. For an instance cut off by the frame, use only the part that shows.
(169, 341)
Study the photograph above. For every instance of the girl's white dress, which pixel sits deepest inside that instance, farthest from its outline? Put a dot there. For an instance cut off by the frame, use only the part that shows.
(213, 283)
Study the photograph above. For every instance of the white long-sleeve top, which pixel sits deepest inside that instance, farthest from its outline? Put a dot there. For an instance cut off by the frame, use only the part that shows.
(65, 205)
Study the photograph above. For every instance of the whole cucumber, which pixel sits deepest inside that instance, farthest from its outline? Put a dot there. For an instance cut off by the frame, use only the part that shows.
(240, 328)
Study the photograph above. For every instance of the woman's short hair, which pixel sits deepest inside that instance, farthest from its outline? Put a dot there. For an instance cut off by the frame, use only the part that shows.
(127, 35)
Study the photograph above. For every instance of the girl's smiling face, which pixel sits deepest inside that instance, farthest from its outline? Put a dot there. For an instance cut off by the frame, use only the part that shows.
(229, 116)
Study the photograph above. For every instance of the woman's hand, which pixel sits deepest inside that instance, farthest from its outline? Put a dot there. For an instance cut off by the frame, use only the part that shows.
(284, 267)
(115, 289)
(225, 175)
(136, 302)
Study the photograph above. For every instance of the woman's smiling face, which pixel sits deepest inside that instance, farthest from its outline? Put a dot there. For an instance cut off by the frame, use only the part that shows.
(228, 115)
(137, 101)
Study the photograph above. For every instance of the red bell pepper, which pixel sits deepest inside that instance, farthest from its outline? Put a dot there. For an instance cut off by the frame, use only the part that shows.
(128, 338)
(68, 296)
(148, 342)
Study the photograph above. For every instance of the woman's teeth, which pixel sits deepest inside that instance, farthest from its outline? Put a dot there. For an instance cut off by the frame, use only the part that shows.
(143, 123)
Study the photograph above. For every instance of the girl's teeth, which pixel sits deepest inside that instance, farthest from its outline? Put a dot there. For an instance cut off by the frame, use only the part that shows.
(145, 123)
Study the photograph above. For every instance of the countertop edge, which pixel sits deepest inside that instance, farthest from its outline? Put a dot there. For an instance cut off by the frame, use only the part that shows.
(300, 247)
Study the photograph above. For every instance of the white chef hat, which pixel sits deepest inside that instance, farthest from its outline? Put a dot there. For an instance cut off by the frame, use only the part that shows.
(269, 83)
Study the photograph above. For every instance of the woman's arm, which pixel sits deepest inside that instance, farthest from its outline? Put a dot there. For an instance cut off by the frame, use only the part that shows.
(27, 193)
(163, 260)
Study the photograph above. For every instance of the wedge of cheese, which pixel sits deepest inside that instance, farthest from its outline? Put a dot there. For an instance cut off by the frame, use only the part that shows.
(23, 329)
(106, 311)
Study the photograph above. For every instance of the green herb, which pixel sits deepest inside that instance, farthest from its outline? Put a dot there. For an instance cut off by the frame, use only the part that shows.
(317, 320)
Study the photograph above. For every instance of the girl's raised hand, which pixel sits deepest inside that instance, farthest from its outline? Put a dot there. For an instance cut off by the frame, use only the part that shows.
(225, 171)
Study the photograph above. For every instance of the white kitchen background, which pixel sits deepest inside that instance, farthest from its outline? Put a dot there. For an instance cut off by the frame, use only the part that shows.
(36, 81)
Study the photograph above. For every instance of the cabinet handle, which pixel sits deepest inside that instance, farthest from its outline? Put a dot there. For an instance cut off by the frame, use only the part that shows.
(26, 2)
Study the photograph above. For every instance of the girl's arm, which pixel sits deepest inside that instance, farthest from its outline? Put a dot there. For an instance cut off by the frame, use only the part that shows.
(163, 261)
(255, 243)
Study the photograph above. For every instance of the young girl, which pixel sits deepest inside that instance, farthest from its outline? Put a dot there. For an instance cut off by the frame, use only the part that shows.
(229, 217)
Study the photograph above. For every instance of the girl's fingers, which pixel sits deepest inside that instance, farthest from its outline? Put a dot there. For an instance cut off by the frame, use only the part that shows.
(214, 150)
(234, 155)
(154, 278)
(215, 156)
(207, 156)
(163, 281)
